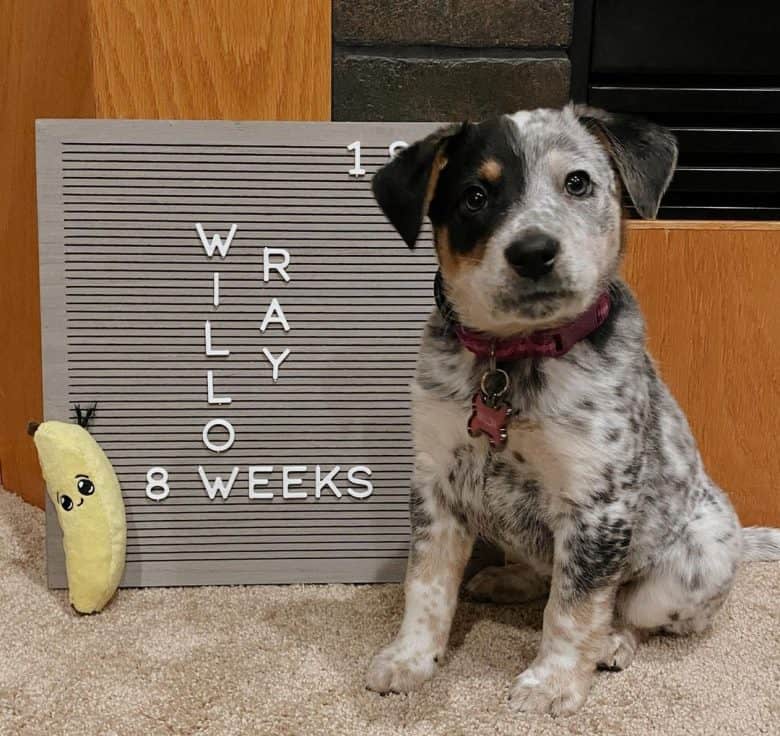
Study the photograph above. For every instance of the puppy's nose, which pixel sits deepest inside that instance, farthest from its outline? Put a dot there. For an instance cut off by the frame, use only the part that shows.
(533, 255)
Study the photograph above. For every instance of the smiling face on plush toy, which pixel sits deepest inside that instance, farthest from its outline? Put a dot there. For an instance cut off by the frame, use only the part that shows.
(76, 476)
(84, 487)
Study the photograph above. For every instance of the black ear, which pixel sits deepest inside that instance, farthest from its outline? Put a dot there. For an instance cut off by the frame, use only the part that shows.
(644, 153)
(405, 186)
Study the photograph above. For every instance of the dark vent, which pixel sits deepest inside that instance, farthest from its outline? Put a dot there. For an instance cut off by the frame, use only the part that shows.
(710, 72)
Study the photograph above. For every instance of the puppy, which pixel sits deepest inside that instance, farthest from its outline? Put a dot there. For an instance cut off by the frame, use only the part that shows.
(540, 422)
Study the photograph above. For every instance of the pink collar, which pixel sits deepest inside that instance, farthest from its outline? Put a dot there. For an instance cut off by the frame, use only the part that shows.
(552, 343)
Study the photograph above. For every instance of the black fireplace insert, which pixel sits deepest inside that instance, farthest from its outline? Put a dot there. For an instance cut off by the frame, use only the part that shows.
(711, 72)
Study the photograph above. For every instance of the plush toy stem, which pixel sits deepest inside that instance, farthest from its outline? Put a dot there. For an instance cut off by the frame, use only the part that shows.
(32, 427)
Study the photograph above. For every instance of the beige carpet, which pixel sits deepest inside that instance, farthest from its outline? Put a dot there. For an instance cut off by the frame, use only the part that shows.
(290, 660)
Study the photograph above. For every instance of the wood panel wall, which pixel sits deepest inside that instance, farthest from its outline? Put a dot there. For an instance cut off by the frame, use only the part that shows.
(200, 59)
(711, 298)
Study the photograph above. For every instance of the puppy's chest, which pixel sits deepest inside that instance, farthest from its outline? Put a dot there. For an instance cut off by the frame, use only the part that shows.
(550, 451)
(502, 494)
(554, 448)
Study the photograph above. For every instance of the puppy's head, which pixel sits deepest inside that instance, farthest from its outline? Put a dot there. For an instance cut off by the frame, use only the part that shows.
(526, 208)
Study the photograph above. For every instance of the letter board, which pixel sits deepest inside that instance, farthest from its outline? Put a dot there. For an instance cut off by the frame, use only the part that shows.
(237, 305)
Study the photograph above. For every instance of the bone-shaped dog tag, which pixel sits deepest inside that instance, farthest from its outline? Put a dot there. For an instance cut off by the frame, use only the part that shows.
(490, 421)
(490, 415)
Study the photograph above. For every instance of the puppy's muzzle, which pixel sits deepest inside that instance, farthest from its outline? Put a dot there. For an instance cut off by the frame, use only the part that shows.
(533, 254)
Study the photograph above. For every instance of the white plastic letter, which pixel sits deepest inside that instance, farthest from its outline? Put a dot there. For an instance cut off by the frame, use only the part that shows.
(396, 147)
(160, 482)
(225, 424)
(218, 485)
(209, 348)
(275, 362)
(356, 170)
(274, 314)
(320, 482)
(287, 481)
(280, 268)
(216, 241)
(216, 288)
(254, 482)
(215, 399)
(367, 484)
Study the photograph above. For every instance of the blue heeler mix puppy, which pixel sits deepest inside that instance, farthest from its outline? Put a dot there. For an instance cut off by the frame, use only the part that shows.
(540, 422)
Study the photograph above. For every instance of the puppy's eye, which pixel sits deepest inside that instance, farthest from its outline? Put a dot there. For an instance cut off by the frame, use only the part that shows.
(85, 487)
(66, 502)
(578, 183)
(474, 199)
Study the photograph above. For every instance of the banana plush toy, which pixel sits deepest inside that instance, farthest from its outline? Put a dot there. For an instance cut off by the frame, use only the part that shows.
(85, 491)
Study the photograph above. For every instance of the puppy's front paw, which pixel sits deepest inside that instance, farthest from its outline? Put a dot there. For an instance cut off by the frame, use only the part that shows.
(400, 668)
(541, 689)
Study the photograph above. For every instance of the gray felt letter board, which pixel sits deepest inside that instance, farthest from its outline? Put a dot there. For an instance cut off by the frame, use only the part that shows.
(228, 475)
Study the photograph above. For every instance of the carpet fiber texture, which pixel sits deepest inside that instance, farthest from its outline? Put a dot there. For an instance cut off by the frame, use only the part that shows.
(290, 660)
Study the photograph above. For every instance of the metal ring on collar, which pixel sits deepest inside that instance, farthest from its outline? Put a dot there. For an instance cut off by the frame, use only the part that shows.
(495, 394)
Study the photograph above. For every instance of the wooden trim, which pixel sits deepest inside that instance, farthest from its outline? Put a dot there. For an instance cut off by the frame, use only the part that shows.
(731, 225)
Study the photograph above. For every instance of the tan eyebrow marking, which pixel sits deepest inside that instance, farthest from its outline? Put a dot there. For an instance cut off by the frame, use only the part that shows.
(439, 162)
(491, 170)
(450, 261)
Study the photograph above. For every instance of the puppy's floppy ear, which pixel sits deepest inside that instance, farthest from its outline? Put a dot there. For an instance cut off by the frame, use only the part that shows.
(405, 186)
(644, 153)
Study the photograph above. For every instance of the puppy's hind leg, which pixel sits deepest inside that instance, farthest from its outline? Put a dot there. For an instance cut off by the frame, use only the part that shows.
(619, 649)
(515, 583)
(684, 590)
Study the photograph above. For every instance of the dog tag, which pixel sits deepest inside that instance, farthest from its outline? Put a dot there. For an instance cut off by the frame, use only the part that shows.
(490, 414)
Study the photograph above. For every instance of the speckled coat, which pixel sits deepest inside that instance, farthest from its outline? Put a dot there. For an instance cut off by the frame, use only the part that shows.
(599, 498)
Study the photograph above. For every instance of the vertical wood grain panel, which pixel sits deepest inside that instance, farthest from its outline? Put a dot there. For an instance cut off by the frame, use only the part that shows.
(710, 296)
(45, 72)
(222, 59)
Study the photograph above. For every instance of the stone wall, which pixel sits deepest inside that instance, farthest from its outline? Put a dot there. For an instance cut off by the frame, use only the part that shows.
(448, 59)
